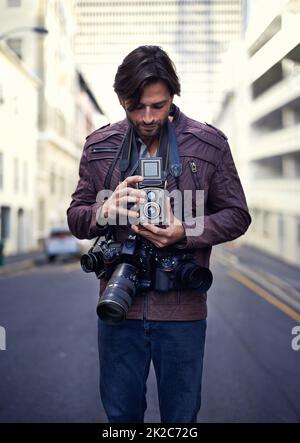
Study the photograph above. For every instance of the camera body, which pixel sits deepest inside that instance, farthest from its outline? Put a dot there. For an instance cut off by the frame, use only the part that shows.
(136, 265)
(180, 271)
(153, 210)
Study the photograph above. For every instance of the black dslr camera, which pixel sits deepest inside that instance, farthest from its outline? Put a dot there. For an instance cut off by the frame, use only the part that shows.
(127, 267)
(136, 265)
(153, 210)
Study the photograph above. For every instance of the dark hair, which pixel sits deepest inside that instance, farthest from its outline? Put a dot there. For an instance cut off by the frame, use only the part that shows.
(141, 67)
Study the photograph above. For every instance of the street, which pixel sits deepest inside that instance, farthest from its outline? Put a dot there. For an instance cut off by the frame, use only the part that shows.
(49, 370)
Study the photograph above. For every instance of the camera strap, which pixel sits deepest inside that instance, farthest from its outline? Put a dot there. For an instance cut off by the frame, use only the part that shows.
(175, 166)
(124, 161)
(168, 150)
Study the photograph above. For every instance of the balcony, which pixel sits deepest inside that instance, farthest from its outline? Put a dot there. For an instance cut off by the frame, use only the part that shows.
(279, 142)
(276, 97)
(63, 144)
(275, 195)
(277, 48)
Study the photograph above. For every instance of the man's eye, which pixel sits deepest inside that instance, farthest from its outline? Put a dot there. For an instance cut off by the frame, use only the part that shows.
(158, 106)
(132, 108)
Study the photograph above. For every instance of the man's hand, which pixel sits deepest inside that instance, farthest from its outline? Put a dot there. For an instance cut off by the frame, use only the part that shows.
(116, 204)
(162, 237)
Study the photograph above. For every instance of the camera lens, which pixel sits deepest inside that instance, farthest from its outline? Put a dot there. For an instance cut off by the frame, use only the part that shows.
(193, 276)
(91, 262)
(118, 295)
(151, 195)
(152, 210)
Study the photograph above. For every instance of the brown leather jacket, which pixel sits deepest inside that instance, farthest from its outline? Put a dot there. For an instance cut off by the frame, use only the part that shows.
(208, 165)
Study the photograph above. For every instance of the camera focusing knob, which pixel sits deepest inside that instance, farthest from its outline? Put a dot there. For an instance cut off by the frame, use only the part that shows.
(167, 262)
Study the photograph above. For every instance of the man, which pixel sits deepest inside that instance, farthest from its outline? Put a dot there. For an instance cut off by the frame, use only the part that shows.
(165, 328)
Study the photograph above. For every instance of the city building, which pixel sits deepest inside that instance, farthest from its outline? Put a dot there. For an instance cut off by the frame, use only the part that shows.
(63, 114)
(268, 123)
(18, 152)
(194, 33)
(89, 115)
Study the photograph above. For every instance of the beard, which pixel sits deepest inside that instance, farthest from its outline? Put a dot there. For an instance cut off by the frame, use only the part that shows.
(148, 131)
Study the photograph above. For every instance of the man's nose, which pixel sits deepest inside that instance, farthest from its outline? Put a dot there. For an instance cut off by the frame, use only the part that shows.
(147, 116)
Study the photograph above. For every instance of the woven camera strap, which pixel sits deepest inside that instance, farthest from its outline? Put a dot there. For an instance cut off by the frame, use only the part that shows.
(128, 155)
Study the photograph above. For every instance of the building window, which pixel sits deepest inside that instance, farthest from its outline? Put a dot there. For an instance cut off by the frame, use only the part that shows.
(5, 222)
(15, 45)
(13, 3)
(1, 170)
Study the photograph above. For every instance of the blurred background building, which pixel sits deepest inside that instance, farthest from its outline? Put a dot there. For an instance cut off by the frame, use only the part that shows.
(18, 152)
(261, 114)
(239, 65)
(194, 33)
(64, 112)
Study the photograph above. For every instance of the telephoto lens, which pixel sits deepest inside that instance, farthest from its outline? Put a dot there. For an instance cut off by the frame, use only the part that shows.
(117, 298)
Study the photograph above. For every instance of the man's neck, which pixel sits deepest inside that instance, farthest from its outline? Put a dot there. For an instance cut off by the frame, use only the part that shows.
(152, 144)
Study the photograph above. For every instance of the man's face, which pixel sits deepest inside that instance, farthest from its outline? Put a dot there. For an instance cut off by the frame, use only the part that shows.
(151, 112)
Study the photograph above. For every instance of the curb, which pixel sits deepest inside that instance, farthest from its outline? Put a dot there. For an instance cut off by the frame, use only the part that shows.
(277, 287)
(14, 268)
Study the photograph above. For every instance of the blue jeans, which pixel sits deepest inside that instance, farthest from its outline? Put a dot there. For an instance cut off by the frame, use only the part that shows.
(125, 351)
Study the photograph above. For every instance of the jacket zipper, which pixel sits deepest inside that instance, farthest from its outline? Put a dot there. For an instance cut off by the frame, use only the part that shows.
(104, 149)
(194, 170)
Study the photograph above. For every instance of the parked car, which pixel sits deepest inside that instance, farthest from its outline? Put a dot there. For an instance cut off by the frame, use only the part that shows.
(61, 243)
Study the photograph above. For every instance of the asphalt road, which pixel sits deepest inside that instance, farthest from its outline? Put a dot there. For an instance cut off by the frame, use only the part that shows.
(49, 370)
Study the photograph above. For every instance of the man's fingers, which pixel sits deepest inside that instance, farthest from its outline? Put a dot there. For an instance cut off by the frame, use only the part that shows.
(128, 213)
(148, 235)
(130, 199)
(134, 179)
(155, 229)
(130, 181)
(131, 191)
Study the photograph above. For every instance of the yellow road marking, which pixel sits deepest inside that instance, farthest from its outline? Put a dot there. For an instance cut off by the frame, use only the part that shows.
(71, 267)
(265, 295)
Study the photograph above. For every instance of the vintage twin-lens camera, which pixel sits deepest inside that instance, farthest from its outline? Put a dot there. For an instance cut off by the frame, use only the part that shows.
(136, 265)
(153, 210)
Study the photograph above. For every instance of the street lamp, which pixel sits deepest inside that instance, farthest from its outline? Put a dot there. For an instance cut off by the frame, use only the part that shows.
(36, 29)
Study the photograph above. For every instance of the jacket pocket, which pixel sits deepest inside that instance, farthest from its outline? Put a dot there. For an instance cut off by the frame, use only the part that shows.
(104, 149)
(100, 154)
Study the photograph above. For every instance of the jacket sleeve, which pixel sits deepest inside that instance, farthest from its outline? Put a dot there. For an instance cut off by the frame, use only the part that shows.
(228, 216)
(82, 211)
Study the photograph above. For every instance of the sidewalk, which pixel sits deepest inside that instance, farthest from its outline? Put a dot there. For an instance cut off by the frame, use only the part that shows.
(20, 262)
(276, 276)
(256, 258)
